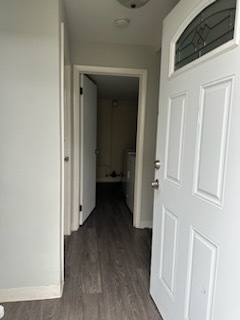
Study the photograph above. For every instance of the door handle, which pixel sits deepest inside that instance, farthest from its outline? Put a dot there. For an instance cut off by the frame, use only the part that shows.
(66, 159)
(155, 184)
(157, 164)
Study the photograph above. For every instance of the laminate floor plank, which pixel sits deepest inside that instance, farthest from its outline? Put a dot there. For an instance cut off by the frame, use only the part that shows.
(91, 278)
(107, 269)
(91, 306)
(128, 281)
(112, 294)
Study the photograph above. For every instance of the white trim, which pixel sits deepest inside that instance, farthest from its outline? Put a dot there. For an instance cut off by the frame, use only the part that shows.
(142, 75)
(146, 224)
(31, 293)
(81, 146)
(67, 150)
(62, 152)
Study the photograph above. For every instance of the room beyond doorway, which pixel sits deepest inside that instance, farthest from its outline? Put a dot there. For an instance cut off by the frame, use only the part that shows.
(117, 108)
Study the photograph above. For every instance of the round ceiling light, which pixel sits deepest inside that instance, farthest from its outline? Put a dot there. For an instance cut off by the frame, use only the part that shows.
(133, 4)
(121, 22)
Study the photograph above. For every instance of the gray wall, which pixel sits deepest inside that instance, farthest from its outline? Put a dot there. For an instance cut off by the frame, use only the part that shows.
(131, 57)
(29, 144)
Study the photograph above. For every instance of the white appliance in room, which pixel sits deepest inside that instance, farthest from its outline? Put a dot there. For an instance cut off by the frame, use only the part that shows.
(130, 180)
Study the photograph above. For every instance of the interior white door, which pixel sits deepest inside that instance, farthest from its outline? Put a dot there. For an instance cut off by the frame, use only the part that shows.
(195, 268)
(88, 143)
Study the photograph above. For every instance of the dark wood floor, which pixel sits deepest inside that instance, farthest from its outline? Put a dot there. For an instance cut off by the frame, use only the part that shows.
(107, 270)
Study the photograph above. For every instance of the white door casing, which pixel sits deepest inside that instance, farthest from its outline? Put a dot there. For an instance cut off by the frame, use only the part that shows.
(195, 251)
(142, 75)
(67, 150)
(62, 173)
(88, 145)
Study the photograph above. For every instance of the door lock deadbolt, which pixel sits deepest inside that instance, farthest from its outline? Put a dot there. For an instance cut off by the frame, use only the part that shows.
(157, 164)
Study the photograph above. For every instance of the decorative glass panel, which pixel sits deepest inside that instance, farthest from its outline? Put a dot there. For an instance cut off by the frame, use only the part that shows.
(210, 29)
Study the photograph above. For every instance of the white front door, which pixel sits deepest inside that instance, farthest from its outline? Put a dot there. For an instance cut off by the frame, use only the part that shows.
(88, 143)
(195, 269)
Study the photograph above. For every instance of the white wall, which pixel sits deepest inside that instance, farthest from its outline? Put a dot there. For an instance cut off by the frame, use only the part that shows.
(29, 144)
(131, 57)
(67, 49)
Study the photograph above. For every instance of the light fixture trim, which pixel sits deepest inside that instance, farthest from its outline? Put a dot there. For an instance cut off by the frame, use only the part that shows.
(133, 4)
(121, 22)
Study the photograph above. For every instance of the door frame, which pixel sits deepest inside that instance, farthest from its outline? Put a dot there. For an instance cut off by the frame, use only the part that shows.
(62, 171)
(111, 71)
(67, 75)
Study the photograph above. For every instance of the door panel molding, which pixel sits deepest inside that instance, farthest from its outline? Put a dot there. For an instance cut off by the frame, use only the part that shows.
(201, 280)
(169, 251)
(175, 128)
(214, 118)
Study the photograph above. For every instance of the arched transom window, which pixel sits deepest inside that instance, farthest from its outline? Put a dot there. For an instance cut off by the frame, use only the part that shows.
(210, 29)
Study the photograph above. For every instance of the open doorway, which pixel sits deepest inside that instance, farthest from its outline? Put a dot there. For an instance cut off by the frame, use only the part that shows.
(141, 75)
(117, 109)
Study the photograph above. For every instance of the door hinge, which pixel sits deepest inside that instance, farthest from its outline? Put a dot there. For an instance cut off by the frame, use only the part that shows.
(80, 208)
(81, 90)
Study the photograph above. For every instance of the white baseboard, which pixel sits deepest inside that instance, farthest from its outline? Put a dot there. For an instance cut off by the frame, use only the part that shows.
(31, 293)
(145, 224)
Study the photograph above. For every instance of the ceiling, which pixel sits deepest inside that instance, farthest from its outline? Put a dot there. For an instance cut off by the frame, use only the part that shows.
(93, 21)
(116, 87)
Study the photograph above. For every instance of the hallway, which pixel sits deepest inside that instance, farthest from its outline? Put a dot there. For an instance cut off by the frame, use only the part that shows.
(106, 270)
